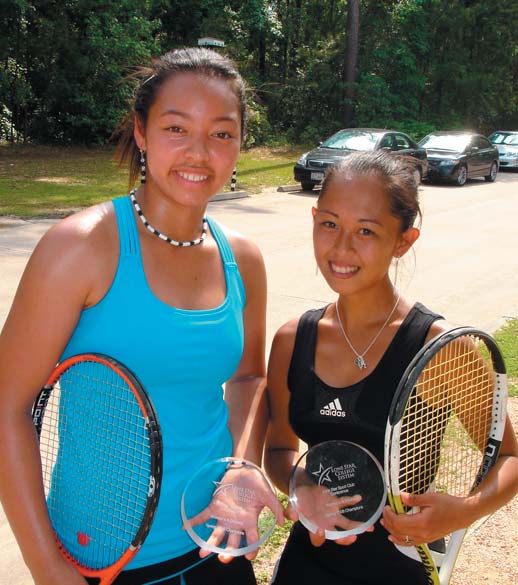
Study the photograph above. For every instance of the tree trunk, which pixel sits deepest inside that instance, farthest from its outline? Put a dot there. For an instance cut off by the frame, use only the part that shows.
(351, 59)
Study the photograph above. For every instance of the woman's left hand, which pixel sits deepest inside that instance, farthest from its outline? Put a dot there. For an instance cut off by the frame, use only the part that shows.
(433, 516)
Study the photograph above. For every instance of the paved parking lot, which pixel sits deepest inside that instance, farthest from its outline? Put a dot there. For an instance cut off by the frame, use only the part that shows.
(465, 266)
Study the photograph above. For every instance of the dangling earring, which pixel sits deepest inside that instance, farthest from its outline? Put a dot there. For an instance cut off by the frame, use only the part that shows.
(396, 272)
(142, 167)
(233, 180)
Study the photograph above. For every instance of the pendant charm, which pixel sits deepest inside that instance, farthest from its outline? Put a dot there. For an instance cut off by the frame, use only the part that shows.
(360, 362)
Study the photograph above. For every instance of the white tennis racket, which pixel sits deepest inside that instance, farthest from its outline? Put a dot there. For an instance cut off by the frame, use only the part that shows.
(444, 431)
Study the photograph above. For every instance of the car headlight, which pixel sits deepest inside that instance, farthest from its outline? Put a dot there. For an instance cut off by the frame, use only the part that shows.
(302, 159)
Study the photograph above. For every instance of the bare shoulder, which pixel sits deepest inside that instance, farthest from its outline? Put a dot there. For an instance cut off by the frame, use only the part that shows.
(284, 339)
(90, 223)
(250, 263)
(84, 233)
(244, 249)
(440, 326)
(79, 254)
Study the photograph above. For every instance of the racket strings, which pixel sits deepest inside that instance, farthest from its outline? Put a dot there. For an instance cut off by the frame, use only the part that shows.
(97, 466)
(445, 427)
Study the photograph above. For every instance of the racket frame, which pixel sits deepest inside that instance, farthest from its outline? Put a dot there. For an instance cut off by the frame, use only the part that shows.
(439, 566)
(108, 574)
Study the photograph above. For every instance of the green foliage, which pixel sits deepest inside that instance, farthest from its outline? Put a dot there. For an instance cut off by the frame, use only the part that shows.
(507, 339)
(259, 130)
(422, 64)
(72, 91)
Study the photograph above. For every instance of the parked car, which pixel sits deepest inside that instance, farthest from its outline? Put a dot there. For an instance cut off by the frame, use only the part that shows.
(459, 156)
(310, 169)
(507, 144)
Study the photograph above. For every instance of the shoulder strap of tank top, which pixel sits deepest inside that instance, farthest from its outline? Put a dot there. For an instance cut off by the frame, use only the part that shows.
(411, 336)
(128, 234)
(221, 240)
(231, 267)
(425, 317)
(303, 356)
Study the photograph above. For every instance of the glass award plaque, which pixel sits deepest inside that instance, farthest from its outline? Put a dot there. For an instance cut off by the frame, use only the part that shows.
(228, 507)
(338, 487)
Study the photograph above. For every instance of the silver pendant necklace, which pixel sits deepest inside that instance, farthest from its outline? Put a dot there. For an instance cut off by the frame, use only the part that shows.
(163, 236)
(360, 359)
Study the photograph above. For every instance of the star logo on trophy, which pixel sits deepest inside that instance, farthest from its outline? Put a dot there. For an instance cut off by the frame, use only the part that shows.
(323, 474)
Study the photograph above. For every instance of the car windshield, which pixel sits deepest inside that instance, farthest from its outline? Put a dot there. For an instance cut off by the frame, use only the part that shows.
(453, 143)
(352, 140)
(503, 138)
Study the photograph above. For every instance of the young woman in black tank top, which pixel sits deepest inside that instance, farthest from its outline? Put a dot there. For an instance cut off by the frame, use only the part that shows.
(351, 355)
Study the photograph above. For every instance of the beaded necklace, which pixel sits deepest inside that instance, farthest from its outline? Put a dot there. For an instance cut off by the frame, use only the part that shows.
(162, 236)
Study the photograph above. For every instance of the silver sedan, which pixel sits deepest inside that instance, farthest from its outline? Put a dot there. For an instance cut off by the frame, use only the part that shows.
(506, 142)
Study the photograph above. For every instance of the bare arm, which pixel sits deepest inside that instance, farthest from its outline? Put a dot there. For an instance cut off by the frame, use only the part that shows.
(245, 391)
(51, 294)
(282, 444)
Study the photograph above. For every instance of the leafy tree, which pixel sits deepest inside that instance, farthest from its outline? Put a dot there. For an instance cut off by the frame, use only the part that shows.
(15, 90)
(420, 64)
(73, 55)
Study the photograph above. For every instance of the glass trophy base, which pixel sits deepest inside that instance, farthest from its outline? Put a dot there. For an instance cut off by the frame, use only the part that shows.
(227, 507)
(338, 487)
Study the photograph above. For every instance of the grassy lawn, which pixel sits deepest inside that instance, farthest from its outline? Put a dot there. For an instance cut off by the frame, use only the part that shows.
(507, 339)
(43, 181)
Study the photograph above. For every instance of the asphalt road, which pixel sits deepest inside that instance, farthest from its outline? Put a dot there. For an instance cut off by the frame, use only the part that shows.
(465, 266)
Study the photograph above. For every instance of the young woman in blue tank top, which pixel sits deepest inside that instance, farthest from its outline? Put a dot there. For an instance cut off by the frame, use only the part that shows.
(333, 372)
(178, 299)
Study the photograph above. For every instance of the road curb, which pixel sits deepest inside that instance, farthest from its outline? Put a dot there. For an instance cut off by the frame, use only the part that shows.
(230, 195)
(288, 188)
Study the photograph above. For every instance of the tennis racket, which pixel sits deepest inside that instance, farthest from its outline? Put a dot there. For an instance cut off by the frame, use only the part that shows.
(101, 459)
(445, 427)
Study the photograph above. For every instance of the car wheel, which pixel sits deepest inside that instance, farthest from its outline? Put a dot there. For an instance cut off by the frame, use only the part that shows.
(462, 176)
(306, 186)
(492, 173)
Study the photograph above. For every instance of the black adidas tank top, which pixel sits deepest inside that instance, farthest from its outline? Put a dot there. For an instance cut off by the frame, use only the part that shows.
(357, 413)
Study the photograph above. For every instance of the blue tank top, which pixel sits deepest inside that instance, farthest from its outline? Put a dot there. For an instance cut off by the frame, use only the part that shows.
(182, 358)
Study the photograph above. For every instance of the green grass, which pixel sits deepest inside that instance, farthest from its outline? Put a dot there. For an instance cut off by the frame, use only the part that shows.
(38, 181)
(507, 339)
(271, 549)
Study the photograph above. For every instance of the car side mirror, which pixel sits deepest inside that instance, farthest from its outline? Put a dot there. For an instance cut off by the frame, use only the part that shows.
(475, 149)
(320, 143)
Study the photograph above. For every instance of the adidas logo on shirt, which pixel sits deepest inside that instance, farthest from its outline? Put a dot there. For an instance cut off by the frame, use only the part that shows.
(334, 408)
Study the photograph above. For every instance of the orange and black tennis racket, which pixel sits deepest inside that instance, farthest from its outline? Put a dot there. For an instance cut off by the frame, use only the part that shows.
(101, 458)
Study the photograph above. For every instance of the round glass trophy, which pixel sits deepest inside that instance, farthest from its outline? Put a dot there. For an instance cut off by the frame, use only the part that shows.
(338, 487)
(228, 507)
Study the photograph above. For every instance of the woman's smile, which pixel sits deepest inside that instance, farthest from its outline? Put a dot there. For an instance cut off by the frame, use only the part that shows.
(343, 270)
(192, 177)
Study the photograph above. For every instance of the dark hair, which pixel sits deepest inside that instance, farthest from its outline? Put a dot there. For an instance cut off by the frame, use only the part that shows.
(188, 60)
(396, 173)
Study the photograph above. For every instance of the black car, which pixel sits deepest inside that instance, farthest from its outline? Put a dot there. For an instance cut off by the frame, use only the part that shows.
(310, 169)
(459, 156)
